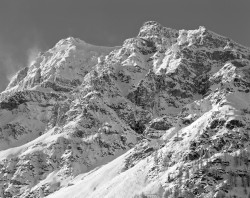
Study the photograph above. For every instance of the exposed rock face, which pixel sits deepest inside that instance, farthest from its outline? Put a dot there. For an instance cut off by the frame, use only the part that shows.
(170, 108)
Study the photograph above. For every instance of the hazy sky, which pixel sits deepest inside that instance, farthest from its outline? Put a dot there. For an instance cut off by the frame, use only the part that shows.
(28, 26)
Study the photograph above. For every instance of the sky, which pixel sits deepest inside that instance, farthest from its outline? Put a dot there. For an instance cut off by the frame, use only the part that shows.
(30, 26)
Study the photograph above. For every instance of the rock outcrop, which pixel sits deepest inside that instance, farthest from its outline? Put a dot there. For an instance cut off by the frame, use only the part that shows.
(166, 115)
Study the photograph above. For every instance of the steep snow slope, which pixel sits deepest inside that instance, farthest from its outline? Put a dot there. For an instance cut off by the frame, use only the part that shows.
(167, 113)
(61, 68)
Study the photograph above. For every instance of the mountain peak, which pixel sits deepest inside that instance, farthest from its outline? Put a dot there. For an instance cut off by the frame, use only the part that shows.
(151, 24)
(153, 28)
(166, 114)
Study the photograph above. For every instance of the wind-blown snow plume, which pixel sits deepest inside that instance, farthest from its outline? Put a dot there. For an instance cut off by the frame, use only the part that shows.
(164, 115)
(8, 66)
(32, 54)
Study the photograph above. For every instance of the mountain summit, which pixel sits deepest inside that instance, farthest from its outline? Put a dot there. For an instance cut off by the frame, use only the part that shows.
(167, 114)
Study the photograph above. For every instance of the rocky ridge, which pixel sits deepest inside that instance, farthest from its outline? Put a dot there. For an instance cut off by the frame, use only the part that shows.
(167, 113)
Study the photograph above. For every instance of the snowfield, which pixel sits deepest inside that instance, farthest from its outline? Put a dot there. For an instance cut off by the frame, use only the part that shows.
(167, 114)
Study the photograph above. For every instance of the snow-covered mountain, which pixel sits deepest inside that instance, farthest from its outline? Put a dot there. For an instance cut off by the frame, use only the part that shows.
(167, 114)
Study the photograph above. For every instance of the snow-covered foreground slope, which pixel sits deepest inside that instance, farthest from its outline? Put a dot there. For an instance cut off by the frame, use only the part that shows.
(165, 115)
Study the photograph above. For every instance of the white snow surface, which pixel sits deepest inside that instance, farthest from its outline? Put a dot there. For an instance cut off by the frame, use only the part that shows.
(167, 114)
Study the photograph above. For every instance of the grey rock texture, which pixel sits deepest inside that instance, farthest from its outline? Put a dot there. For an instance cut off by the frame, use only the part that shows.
(173, 103)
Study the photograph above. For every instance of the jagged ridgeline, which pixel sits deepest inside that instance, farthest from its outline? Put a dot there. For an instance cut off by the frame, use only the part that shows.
(167, 114)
